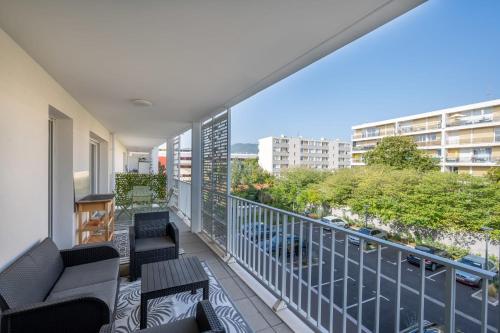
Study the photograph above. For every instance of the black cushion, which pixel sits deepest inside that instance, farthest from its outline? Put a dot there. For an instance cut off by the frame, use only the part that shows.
(105, 291)
(187, 325)
(154, 243)
(30, 278)
(87, 274)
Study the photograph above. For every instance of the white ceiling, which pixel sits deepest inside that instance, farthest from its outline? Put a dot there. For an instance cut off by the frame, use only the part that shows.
(190, 58)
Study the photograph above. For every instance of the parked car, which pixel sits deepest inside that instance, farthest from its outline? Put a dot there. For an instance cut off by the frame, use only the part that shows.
(429, 264)
(367, 231)
(253, 231)
(277, 242)
(428, 328)
(334, 221)
(477, 262)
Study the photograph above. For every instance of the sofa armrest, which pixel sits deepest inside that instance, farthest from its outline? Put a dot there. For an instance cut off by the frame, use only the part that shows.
(207, 319)
(84, 254)
(82, 314)
(173, 232)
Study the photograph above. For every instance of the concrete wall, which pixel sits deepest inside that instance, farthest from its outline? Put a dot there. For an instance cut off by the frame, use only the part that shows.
(26, 92)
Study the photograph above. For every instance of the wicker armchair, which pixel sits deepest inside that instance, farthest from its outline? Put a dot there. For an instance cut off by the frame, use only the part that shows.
(152, 238)
(205, 320)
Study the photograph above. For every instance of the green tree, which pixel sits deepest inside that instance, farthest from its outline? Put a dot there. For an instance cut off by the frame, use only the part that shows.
(248, 179)
(494, 174)
(288, 188)
(400, 152)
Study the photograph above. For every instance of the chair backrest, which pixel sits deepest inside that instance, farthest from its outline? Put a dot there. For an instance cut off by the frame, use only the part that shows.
(150, 224)
(30, 278)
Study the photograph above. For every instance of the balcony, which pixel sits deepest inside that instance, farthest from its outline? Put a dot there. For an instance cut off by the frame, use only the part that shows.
(377, 134)
(473, 160)
(472, 120)
(432, 143)
(456, 141)
(362, 148)
(419, 128)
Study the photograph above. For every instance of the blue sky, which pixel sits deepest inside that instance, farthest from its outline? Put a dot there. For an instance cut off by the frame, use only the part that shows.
(444, 53)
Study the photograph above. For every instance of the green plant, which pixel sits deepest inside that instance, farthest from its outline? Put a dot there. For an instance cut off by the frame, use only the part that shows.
(124, 182)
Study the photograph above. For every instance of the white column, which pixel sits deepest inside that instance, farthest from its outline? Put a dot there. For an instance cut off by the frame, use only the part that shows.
(196, 177)
(170, 164)
(154, 160)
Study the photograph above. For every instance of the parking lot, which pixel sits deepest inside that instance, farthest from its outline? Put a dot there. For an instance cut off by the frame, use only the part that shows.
(468, 307)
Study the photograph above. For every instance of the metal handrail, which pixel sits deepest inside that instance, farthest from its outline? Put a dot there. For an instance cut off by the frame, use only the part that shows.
(443, 261)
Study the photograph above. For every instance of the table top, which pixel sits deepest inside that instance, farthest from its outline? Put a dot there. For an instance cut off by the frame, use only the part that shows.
(172, 273)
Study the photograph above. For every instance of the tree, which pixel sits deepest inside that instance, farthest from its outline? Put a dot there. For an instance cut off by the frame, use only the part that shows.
(400, 152)
(248, 179)
(494, 174)
(287, 190)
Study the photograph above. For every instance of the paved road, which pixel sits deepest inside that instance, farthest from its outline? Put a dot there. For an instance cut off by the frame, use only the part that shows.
(468, 308)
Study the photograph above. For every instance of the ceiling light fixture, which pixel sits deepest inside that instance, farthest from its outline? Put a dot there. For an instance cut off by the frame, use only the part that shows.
(142, 102)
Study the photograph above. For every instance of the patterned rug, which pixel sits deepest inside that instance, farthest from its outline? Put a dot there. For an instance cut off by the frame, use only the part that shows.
(175, 307)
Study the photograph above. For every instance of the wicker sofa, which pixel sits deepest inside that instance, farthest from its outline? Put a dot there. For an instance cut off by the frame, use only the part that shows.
(47, 290)
(152, 238)
(205, 320)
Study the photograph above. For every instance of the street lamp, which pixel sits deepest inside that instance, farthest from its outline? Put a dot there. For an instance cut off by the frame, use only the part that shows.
(487, 231)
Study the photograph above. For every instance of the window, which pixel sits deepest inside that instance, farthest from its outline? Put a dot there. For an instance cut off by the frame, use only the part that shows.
(497, 134)
(371, 131)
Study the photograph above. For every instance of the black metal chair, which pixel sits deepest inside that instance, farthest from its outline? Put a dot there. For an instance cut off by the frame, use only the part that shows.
(152, 238)
(205, 320)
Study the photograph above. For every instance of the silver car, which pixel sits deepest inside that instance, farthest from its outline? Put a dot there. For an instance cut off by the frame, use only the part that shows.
(334, 221)
(367, 231)
(477, 262)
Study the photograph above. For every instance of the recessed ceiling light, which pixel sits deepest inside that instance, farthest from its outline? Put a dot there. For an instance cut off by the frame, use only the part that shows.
(142, 102)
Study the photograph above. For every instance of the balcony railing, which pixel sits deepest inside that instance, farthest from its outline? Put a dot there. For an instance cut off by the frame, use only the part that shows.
(428, 143)
(366, 147)
(372, 135)
(473, 140)
(312, 268)
(417, 128)
(184, 198)
(472, 120)
(357, 160)
(473, 159)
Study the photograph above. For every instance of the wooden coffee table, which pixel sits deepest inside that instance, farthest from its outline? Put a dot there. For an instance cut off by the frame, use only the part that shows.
(169, 277)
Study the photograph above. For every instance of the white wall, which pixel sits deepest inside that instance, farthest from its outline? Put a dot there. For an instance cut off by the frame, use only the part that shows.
(26, 91)
(266, 153)
(120, 154)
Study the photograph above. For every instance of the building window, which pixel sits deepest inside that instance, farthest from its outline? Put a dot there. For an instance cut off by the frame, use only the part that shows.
(497, 134)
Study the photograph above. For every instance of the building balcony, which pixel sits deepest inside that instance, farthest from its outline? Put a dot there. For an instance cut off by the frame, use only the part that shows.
(363, 148)
(473, 160)
(419, 128)
(472, 121)
(485, 140)
(434, 143)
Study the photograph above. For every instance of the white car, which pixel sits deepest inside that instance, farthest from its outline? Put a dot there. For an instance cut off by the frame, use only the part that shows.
(335, 221)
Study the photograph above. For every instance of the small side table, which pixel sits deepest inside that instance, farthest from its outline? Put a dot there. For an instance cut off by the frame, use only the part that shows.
(169, 277)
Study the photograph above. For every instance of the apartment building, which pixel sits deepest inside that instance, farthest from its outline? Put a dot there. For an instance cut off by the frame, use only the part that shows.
(283, 152)
(464, 139)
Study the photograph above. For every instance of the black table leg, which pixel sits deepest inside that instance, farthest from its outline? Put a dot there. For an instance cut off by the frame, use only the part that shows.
(144, 312)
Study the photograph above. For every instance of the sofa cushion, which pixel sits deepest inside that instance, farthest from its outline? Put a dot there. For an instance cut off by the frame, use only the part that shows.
(18, 283)
(154, 243)
(31, 277)
(187, 325)
(88, 274)
(49, 262)
(105, 291)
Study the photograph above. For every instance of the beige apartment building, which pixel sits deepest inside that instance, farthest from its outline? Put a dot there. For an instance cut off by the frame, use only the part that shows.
(464, 139)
